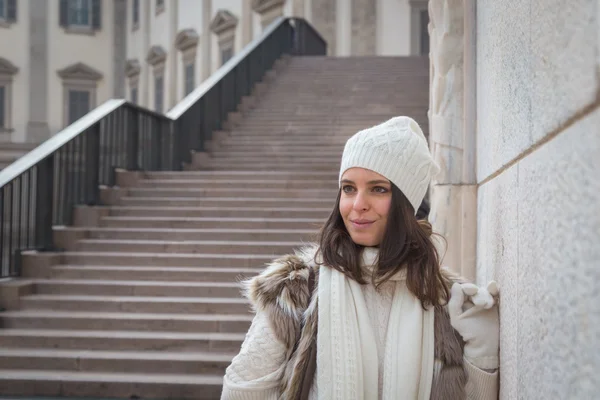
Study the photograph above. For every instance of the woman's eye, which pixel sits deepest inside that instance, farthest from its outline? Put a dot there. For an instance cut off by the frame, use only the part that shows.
(380, 189)
(347, 189)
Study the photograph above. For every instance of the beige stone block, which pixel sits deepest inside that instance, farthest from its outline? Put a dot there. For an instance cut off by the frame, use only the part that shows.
(126, 178)
(453, 215)
(11, 291)
(89, 215)
(65, 238)
(536, 70)
(111, 195)
(538, 234)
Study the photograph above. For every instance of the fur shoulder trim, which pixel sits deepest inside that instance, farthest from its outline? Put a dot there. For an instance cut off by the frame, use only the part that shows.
(281, 290)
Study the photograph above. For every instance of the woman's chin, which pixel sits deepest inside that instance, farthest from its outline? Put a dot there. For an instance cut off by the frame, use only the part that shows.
(364, 240)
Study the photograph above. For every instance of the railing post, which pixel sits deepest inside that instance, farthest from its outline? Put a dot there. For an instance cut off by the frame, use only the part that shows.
(133, 136)
(92, 165)
(44, 203)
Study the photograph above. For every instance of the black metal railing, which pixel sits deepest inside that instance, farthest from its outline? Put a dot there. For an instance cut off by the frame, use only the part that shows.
(41, 189)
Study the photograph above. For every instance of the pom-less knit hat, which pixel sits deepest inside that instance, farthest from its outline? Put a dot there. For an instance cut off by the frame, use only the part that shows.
(396, 149)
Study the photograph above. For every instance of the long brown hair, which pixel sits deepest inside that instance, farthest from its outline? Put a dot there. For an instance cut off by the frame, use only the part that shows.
(406, 245)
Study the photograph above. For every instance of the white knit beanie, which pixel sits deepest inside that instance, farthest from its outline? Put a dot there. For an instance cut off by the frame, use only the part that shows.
(396, 149)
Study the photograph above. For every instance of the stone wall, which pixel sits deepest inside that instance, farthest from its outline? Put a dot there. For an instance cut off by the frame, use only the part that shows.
(538, 157)
(364, 28)
(324, 20)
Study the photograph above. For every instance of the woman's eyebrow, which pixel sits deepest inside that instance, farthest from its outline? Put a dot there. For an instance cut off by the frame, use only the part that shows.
(378, 182)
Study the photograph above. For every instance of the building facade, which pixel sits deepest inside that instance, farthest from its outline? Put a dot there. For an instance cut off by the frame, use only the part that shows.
(61, 58)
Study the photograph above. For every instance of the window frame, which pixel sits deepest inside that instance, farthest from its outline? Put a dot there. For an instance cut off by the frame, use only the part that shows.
(189, 79)
(135, 14)
(76, 90)
(90, 16)
(7, 74)
(159, 6)
(159, 102)
(78, 77)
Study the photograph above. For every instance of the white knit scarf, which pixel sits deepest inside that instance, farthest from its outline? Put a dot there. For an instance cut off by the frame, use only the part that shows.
(347, 361)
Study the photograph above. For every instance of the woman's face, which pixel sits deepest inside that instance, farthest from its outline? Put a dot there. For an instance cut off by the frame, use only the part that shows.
(364, 205)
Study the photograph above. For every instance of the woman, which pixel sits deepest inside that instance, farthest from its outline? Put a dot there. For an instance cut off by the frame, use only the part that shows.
(383, 320)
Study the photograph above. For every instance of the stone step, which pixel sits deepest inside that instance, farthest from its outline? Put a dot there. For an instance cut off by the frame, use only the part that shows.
(270, 165)
(209, 223)
(193, 201)
(264, 183)
(269, 147)
(291, 235)
(97, 287)
(116, 385)
(122, 340)
(121, 321)
(232, 192)
(186, 246)
(167, 259)
(242, 174)
(115, 361)
(220, 212)
(145, 273)
(135, 304)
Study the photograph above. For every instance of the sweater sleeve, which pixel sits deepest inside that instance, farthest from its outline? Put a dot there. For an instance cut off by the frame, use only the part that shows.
(255, 372)
(481, 385)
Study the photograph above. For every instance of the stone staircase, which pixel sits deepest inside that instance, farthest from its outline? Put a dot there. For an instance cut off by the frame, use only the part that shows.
(144, 302)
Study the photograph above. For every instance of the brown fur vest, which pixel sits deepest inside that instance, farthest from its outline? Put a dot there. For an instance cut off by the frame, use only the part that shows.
(281, 291)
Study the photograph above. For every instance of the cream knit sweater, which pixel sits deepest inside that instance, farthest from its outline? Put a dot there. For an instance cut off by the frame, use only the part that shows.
(255, 372)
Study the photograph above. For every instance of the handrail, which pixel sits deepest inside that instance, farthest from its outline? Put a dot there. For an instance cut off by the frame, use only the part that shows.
(41, 189)
(219, 74)
(51, 145)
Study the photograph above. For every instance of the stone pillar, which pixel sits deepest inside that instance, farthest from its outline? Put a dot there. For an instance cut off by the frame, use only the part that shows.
(247, 23)
(172, 70)
(452, 130)
(37, 126)
(119, 47)
(298, 8)
(206, 38)
(343, 22)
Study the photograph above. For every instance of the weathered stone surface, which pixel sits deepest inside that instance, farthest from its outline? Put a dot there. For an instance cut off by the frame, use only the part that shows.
(323, 19)
(538, 234)
(536, 69)
(364, 27)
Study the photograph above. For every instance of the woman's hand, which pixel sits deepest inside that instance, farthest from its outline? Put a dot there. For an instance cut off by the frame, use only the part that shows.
(474, 314)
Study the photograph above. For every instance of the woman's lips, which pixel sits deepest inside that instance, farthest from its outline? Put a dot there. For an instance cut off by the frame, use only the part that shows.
(361, 223)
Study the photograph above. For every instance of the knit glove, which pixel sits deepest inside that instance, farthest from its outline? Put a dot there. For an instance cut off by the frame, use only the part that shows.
(474, 314)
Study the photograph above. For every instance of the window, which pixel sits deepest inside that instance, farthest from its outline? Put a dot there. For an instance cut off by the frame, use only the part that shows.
(80, 83)
(419, 21)
(189, 78)
(133, 95)
(80, 15)
(79, 12)
(424, 45)
(226, 54)
(160, 6)
(79, 104)
(158, 93)
(7, 74)
(3, 107)
(8, 11)
(135, 13)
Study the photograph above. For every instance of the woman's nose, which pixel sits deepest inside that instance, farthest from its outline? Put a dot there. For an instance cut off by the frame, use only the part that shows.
(360, 202)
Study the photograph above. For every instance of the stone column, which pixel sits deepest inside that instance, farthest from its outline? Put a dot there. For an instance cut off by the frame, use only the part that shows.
(206, 38)
(247, 23)
(37, 126)
(119, 47)
(452, 130)
(298, 8)
(343, 22)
